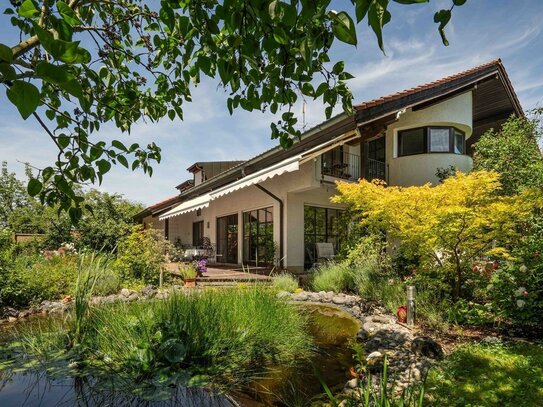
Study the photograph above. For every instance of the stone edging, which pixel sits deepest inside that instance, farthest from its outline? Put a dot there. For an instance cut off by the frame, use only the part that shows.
(409, 356)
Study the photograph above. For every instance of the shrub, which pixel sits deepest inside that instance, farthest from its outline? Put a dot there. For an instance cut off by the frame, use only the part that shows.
(285, 282)
(141, 256)
(332, 276)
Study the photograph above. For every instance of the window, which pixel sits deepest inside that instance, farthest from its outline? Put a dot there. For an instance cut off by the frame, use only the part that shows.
(412, 141)
(425, 140)
(258, 243)
(439, 140)
(321, 225)
(198, 233)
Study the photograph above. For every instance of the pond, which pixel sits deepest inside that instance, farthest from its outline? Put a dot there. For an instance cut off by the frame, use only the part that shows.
(331, 328)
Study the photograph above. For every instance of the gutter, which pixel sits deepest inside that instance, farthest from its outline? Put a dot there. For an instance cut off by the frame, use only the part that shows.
(281, 223)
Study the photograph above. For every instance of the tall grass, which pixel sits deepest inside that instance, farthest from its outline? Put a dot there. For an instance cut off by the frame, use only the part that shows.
(285, 282)
(222, 334)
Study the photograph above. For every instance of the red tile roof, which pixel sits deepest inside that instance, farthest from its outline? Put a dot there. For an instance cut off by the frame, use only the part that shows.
(164, 202)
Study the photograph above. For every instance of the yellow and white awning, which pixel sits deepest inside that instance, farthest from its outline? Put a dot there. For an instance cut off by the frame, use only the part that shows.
(199, 202)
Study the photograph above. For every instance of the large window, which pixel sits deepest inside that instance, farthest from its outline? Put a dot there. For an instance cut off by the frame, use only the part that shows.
(198, 233)
(227, 239)
(425, 140)
(320, 225)
(258, 243)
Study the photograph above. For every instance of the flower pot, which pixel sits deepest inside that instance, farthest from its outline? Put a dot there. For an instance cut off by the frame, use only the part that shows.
(190, 282)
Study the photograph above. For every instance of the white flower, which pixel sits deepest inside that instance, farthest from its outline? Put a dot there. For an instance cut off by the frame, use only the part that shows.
(523, 268)
(520, 303)
(520, 291)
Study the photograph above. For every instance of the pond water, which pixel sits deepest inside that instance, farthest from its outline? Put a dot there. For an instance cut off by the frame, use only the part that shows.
(331, 359)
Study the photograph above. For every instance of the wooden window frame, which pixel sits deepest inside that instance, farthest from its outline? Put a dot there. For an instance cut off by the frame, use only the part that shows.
(427, 140)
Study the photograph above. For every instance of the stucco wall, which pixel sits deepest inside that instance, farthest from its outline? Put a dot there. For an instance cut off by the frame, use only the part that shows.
(421, 168)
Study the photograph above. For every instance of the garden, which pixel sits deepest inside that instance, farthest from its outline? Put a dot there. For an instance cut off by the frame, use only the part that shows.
(93, 311)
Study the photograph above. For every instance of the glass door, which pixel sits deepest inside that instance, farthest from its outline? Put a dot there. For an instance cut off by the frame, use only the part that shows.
(198, 233)
(227, 239)
(258, 244)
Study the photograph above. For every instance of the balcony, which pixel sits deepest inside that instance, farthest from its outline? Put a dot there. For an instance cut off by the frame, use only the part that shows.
(342, 165)
(376, 170)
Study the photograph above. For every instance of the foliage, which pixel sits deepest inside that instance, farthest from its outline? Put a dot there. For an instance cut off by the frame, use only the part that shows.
(32, 279)
(496, 375)
(285, 282)
(147, 59)
(187, 270)
(515, 291)
(443, 173)
(141, 256)
(109, 219)
(514, 153)
(12, 194)
(332, 276)
(449, 225)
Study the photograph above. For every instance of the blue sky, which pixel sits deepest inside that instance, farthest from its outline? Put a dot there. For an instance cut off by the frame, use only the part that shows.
(480, 31)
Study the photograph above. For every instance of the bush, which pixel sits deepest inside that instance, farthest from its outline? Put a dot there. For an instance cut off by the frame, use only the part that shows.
(332, 276)
(141, 256)
(285, 282)
(32, 279)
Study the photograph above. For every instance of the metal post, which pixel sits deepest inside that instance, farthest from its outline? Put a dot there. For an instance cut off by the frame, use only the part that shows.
(411, 305)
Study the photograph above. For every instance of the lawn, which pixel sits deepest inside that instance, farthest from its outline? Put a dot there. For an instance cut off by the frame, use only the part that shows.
(489, 375)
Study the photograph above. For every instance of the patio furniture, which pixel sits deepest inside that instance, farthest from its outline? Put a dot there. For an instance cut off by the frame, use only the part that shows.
(325, 251)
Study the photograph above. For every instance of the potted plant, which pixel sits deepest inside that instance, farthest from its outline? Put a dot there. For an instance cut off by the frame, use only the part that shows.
(188, 273)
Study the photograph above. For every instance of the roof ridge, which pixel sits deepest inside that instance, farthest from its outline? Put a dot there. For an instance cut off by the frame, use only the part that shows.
(405, 92)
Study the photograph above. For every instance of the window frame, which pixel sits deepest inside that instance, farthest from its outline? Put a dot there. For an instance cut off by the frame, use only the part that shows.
(453, 131)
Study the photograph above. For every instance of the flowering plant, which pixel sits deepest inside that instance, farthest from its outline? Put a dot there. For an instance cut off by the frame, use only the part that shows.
(201, 266)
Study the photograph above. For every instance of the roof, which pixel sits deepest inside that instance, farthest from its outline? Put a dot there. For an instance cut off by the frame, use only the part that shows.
(212, 168)
(489, 79)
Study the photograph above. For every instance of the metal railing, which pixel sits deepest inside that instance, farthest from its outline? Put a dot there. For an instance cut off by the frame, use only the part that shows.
(376, 170)
(341, 165)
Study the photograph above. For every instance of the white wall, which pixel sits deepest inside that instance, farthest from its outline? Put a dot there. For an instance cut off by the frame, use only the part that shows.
(421, 168)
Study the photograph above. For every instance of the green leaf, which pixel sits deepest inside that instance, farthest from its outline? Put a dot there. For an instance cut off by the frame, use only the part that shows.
(68, 14)
(280, 36)
(25, 96)
(47, 173)
(34, 187)
(122, 159)
(361, 9)
(63, 141)
(442, 17)
(75, 214)
(6, 54)
(59, 76)
(344, 29)
(28, 9)
(117, 144)
(459, 2)
(66, 51)
(411, 1)
(7, 72)
(378, 16)
(103, 166)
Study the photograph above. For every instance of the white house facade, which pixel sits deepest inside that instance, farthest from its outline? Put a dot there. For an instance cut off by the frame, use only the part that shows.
(276, 206)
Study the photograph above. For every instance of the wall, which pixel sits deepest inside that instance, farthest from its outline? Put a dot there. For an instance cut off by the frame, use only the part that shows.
(421, 168)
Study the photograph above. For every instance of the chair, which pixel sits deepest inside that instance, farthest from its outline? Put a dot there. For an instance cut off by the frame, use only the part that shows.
(325, 251)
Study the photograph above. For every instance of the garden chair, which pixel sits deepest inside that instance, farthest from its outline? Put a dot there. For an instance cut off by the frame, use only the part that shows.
(325, 251)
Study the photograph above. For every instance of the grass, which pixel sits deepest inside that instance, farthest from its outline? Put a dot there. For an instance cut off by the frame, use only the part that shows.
(332, 276)
(223, 338)
(285, 282)
(497, 375)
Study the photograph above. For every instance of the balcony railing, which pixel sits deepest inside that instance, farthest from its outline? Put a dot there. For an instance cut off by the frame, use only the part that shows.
(341, 165)
(376, 169)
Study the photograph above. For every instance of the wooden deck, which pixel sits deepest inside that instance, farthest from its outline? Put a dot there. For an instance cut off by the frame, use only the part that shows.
(228, 274)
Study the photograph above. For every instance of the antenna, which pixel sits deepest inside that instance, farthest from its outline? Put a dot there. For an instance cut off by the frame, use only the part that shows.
(304, 108)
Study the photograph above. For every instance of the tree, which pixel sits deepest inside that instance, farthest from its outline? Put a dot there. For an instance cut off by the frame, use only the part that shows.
(514, 153)
(450, 224)
(84, 63)
(12, 194)
(111, 219)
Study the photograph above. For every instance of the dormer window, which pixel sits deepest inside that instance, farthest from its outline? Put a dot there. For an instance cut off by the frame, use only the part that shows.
(432, 139)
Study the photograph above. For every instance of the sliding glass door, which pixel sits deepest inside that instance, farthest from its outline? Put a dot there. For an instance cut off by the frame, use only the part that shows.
(227, 239)
(258, 244)
(321, 225)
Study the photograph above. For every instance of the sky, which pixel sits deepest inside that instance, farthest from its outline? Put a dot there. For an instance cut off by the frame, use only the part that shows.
(480, 31)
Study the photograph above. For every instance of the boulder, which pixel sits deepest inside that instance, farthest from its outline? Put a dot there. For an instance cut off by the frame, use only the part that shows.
(425, 346)
(149, 291)
(125, 292)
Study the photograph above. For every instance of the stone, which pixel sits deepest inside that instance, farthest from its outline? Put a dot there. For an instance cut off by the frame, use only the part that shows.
(352, 384)
(339, 300)
(381, 319)
(24, 314)
(7, 312)
(425, 346)
(283, 294)
(300, 296)
(125, 292)
(363, 334)
(491, 340)
(12, 319)
(149, 291)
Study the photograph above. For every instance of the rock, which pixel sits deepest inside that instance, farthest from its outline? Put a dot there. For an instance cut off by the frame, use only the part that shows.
(380, 319)
(339, 300)
(12, 319)
(375, 362)
(491, 340)
(125, 292)
(363, 334)
(425, 346)
(133, 296)
(283, 294)
(149, 291)
(24, 314)
(7, 312)
(352, 384)
(374, 355)
(300, 296)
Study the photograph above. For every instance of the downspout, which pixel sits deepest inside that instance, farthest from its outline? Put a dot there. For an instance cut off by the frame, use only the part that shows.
(281, 223)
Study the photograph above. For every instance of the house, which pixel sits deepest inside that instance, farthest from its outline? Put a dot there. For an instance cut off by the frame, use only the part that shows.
(277, 204)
